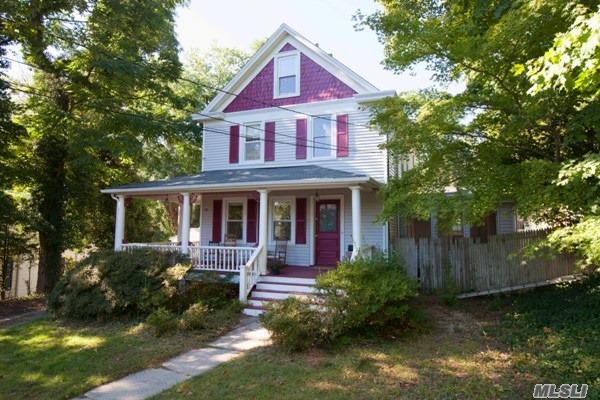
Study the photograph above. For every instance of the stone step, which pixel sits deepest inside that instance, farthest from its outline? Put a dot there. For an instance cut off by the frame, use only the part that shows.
(286, 280)
(253, 311)
(285, 288)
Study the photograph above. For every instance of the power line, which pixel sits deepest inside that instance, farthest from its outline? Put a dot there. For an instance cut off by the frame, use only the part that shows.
(262, 102)
(316, 144)
(32, 91)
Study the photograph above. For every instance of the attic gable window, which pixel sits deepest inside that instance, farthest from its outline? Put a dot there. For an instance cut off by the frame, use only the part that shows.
(287, 74)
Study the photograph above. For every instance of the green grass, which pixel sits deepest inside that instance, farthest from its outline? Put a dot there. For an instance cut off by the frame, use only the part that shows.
(485, 348)
(49, 359)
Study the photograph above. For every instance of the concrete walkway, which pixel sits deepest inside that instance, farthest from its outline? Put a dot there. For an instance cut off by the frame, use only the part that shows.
(141, 385)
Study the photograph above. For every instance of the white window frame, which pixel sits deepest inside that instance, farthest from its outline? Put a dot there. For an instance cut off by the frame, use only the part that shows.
(311, 142)
(272, 201)
(226, 202)
(261, 132)
(276, 94)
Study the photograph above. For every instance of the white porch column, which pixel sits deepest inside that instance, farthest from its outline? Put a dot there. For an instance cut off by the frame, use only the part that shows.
(356, 221)
(185, 224)
(119, 222)
(179, 221)
(263, 228)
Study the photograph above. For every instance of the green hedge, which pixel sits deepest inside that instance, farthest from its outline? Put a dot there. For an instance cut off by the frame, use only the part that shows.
(365, 294)
(108, 284)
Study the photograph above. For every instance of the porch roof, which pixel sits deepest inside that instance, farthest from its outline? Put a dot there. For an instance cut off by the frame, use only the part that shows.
(304, 176)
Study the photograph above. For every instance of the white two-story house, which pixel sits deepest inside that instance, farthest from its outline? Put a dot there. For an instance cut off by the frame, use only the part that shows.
(288, 156)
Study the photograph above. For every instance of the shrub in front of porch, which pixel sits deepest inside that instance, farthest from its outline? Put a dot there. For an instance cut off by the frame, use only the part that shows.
(364, 295)
(109, 284)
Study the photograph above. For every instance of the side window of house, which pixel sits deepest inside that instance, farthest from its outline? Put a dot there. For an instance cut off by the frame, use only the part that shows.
(252, 142)
(323, 140)
(282, 220)
(235, 220)
(287, 82)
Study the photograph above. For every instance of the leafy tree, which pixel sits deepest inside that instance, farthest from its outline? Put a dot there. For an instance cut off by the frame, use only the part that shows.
(99, 66)
(13, 240)
(500, 139)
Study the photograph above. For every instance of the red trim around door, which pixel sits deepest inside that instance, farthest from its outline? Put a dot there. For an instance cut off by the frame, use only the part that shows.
(327, 232)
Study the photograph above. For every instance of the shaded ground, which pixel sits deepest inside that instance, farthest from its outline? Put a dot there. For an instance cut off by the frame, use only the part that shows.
(14, 307)
(48, 359)
(487, 348)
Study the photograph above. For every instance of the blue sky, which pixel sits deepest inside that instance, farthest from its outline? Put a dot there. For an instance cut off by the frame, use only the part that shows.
(238, 23)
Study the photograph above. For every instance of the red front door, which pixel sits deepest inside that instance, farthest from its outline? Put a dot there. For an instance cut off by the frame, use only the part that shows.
(327, 232)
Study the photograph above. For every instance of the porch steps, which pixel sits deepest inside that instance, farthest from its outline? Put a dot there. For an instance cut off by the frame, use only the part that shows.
(276, 288)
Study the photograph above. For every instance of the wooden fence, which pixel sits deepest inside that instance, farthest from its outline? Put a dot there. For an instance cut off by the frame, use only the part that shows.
(472, 267)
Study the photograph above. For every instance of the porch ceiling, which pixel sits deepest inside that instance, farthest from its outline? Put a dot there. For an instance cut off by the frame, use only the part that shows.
(295, 177)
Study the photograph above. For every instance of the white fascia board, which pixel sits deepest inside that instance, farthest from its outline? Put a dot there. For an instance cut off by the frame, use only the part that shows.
(371, 97)
(296, 184)
(348, 104)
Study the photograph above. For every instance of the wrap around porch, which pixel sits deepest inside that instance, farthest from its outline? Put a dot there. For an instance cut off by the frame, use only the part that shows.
(241, 223)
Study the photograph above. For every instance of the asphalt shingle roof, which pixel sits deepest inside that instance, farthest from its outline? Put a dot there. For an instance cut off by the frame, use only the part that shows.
(304, 173)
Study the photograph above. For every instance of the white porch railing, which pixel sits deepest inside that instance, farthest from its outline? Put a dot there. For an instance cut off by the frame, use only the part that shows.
(245, 260)
(154, 246)
(220, 258)
(249, 273)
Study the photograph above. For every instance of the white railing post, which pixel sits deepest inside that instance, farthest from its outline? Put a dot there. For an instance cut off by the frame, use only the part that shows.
(243, 283)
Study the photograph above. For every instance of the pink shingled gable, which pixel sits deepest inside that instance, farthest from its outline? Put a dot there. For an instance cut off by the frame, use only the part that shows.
(316, 84)
(287, 47)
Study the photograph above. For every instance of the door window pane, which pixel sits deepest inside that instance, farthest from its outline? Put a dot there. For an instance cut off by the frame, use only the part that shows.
(328, 218)
(322, 136)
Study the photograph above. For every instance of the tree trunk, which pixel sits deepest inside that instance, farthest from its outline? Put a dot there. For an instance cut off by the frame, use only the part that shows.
(50, 197)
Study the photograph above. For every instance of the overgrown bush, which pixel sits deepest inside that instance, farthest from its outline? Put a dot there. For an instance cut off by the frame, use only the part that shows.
(294, 324)
(162, 321)
(367, 292)
(108, 284)
(194, 317)
(364, 294)
(214, 291)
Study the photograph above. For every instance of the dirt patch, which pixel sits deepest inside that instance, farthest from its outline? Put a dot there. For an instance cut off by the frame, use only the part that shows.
(14, 307)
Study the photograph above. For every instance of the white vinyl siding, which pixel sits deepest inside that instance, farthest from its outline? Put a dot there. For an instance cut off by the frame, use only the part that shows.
(365, 156)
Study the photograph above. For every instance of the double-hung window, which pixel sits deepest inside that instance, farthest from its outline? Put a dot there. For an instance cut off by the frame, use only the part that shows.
(287, 75)
(235, 220)
(253, 142)
(323, 139)
(282, 220)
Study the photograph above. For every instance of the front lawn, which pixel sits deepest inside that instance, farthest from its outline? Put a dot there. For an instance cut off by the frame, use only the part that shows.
(480, 349)
(49, 359)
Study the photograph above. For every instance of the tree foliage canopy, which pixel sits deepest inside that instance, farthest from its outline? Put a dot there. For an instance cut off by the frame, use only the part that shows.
(526, 127)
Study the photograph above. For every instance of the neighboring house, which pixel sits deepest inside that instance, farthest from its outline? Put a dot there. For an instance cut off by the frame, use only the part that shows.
(21, 277)
(289, 161)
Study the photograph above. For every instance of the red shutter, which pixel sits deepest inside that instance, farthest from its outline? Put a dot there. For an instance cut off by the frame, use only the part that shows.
(301, 139)
(251, 217)
(216, 222)
(234, 144)
(342, 135)
(270, 141)
(300, 221)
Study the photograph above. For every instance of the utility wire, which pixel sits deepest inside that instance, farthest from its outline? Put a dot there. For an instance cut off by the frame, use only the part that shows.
(32, 91)
(262, 102)
(316, 144)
